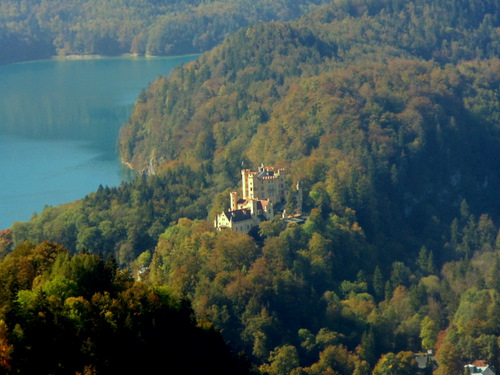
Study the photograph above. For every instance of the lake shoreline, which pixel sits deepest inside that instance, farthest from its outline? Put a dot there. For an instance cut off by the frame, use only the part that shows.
(91, 57)
(122, 56)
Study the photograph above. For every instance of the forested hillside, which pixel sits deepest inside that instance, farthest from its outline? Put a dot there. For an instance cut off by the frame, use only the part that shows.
(388, 113)
(256, 67)
(31, 29)
(63, 314)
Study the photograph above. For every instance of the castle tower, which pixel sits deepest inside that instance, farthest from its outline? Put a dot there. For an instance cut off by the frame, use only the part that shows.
(266, 183)
(234, 200)
(244, 183)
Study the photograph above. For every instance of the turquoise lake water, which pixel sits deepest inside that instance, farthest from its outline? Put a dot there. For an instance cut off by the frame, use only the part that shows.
(59, 123)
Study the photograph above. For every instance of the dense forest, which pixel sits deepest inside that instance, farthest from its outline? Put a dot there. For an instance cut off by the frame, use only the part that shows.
(388, 113)
(34, 29)
(79, 314)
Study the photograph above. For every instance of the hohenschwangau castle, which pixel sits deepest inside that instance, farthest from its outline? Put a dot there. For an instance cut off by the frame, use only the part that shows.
(261, 191)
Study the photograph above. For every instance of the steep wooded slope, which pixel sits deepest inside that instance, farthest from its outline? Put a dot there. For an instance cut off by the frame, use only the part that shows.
(236, 84)
(390, 135)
